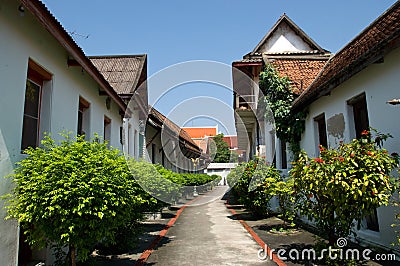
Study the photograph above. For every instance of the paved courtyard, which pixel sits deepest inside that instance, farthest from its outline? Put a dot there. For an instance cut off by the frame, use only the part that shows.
(206, 233)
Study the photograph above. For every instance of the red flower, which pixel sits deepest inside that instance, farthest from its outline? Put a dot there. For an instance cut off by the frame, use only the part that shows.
(318, 160)
(364, 132)
(373, 193)
(321, 148)
(370, 153)
(341, 159)
(352, 155)
(310, 195)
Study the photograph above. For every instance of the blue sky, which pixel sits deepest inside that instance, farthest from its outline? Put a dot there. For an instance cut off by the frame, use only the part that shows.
(170, 32)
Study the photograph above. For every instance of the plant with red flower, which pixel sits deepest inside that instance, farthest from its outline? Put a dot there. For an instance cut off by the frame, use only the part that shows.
(365, 133)
(345, 183)
(318, 160)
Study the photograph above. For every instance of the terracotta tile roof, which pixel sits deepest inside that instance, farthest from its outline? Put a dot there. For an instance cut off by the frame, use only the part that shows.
(54, 27)
(163, 121)
(378, 39)
(231, 141)
(202, 143)
(301, 71)
(200, 132)
(122, 72)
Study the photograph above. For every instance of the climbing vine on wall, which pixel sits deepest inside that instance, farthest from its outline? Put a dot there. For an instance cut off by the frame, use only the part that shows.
(278, 98)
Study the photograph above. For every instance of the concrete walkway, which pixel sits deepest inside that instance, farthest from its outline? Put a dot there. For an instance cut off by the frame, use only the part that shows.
(206, 233)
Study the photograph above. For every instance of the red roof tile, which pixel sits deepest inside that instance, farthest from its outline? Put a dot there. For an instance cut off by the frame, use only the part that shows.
(200, 132)
(163, 121)
(300, 71)
(231, 141)
(378, 39)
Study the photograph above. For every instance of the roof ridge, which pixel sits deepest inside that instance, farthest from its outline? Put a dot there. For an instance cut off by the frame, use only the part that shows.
(373, 23)
(294, 26)
(325, 76)
(117, 56)
(181, 130)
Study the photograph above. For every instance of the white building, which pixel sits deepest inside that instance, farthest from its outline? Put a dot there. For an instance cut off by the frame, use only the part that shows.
(295, 55)
(221, 169)
(48, 85)
(169, 145)
(127, 74)
(350, 94)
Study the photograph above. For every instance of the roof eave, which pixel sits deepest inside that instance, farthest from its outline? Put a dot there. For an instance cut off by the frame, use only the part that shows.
(372, 56)
(244, 64)
(143, 64)
(49, 22)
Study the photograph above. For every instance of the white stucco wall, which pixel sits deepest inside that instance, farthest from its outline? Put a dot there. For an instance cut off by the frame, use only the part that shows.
(153, 137)
(284, 39)
(131, 130)
(380, 83)
(23, 38)
(221, 169)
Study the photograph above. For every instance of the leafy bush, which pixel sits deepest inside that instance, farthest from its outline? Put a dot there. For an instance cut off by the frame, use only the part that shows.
(167, 185)
(279, 97)
(254, 183)
(75, 193)
(156, 180)
(284, 191)
(235, 174)
(187, 179)
(343, 185)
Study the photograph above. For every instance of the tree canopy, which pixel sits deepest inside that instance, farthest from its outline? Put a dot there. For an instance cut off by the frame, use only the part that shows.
(221, 150)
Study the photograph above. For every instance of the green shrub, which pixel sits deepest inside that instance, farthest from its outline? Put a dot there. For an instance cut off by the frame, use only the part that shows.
(156, 180)
(284, 191)
(235, 174)
(75, 193)
(187, 179)
(253, 185)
